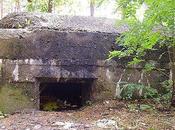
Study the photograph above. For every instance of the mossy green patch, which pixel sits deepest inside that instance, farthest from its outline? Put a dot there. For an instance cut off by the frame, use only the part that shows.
(13, 99)
(50, 106)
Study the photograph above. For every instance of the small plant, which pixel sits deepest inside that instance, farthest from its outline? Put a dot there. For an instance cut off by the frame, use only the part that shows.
(149, 92)
(145, 107)
(141, 107)
(131, 91)
(88, 103)
(137, 91)
(2, 115)
(50, 106)
(165, 95)
(132, 107)
(151, 129)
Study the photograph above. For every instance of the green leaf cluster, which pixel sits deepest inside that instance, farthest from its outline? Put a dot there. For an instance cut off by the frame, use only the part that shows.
(138, 91)
(156, 30)
(50, 106)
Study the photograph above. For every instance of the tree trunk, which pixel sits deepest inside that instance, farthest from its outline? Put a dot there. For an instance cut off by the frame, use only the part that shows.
(173, 77)
(2, 10)
(29, 1)
(171, 53)
(173, 91)
(50, 6)
(17, 6)
(92, 7)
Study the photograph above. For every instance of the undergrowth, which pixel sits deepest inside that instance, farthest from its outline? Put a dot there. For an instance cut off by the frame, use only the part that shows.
(141, 92)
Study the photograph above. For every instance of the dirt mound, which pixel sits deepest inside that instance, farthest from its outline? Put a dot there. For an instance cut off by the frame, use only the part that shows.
(20, 20)
(62, 23)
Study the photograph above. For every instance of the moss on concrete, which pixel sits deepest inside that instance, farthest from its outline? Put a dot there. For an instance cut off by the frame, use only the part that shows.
(13, 99)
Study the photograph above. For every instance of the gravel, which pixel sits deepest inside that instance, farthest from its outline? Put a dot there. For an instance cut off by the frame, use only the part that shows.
(62, 23)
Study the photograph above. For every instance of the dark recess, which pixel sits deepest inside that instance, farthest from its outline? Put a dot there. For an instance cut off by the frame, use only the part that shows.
(68, 95)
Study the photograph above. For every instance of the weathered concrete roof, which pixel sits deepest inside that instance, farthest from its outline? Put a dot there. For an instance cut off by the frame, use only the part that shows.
(62, 23)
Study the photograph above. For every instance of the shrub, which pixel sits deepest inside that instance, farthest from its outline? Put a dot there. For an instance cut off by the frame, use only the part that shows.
(137, 91)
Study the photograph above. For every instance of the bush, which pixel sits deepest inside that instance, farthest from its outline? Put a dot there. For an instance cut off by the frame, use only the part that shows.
(165, 95)
(137, 91)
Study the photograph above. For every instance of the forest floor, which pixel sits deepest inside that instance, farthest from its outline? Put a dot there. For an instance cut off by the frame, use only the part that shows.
(106, 115)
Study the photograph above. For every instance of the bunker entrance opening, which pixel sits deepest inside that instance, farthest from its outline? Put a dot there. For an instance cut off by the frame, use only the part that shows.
(66, 95)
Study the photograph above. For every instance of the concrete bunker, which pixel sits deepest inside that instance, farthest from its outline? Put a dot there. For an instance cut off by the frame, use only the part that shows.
(65, 94)
(59, 58)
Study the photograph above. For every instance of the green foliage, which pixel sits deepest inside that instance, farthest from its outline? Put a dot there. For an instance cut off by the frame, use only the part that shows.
(136, 91)
(30, 7)
(50, 106)
(139, 91)
(129, 7)
(3, 115)
(37, 5)
(165, 95)
(88, 103)
(42, 5)
(144, 107)
(141, 107)
(156, 28)
(149, 92)
(148, 67)
(154, 32)
(132, 107)
(151, 129)
(131, 91)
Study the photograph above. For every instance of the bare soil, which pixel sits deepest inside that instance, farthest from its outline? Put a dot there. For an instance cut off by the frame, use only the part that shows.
(106, 115)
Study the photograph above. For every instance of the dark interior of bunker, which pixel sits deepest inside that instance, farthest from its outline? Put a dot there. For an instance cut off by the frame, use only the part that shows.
(64, 95)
